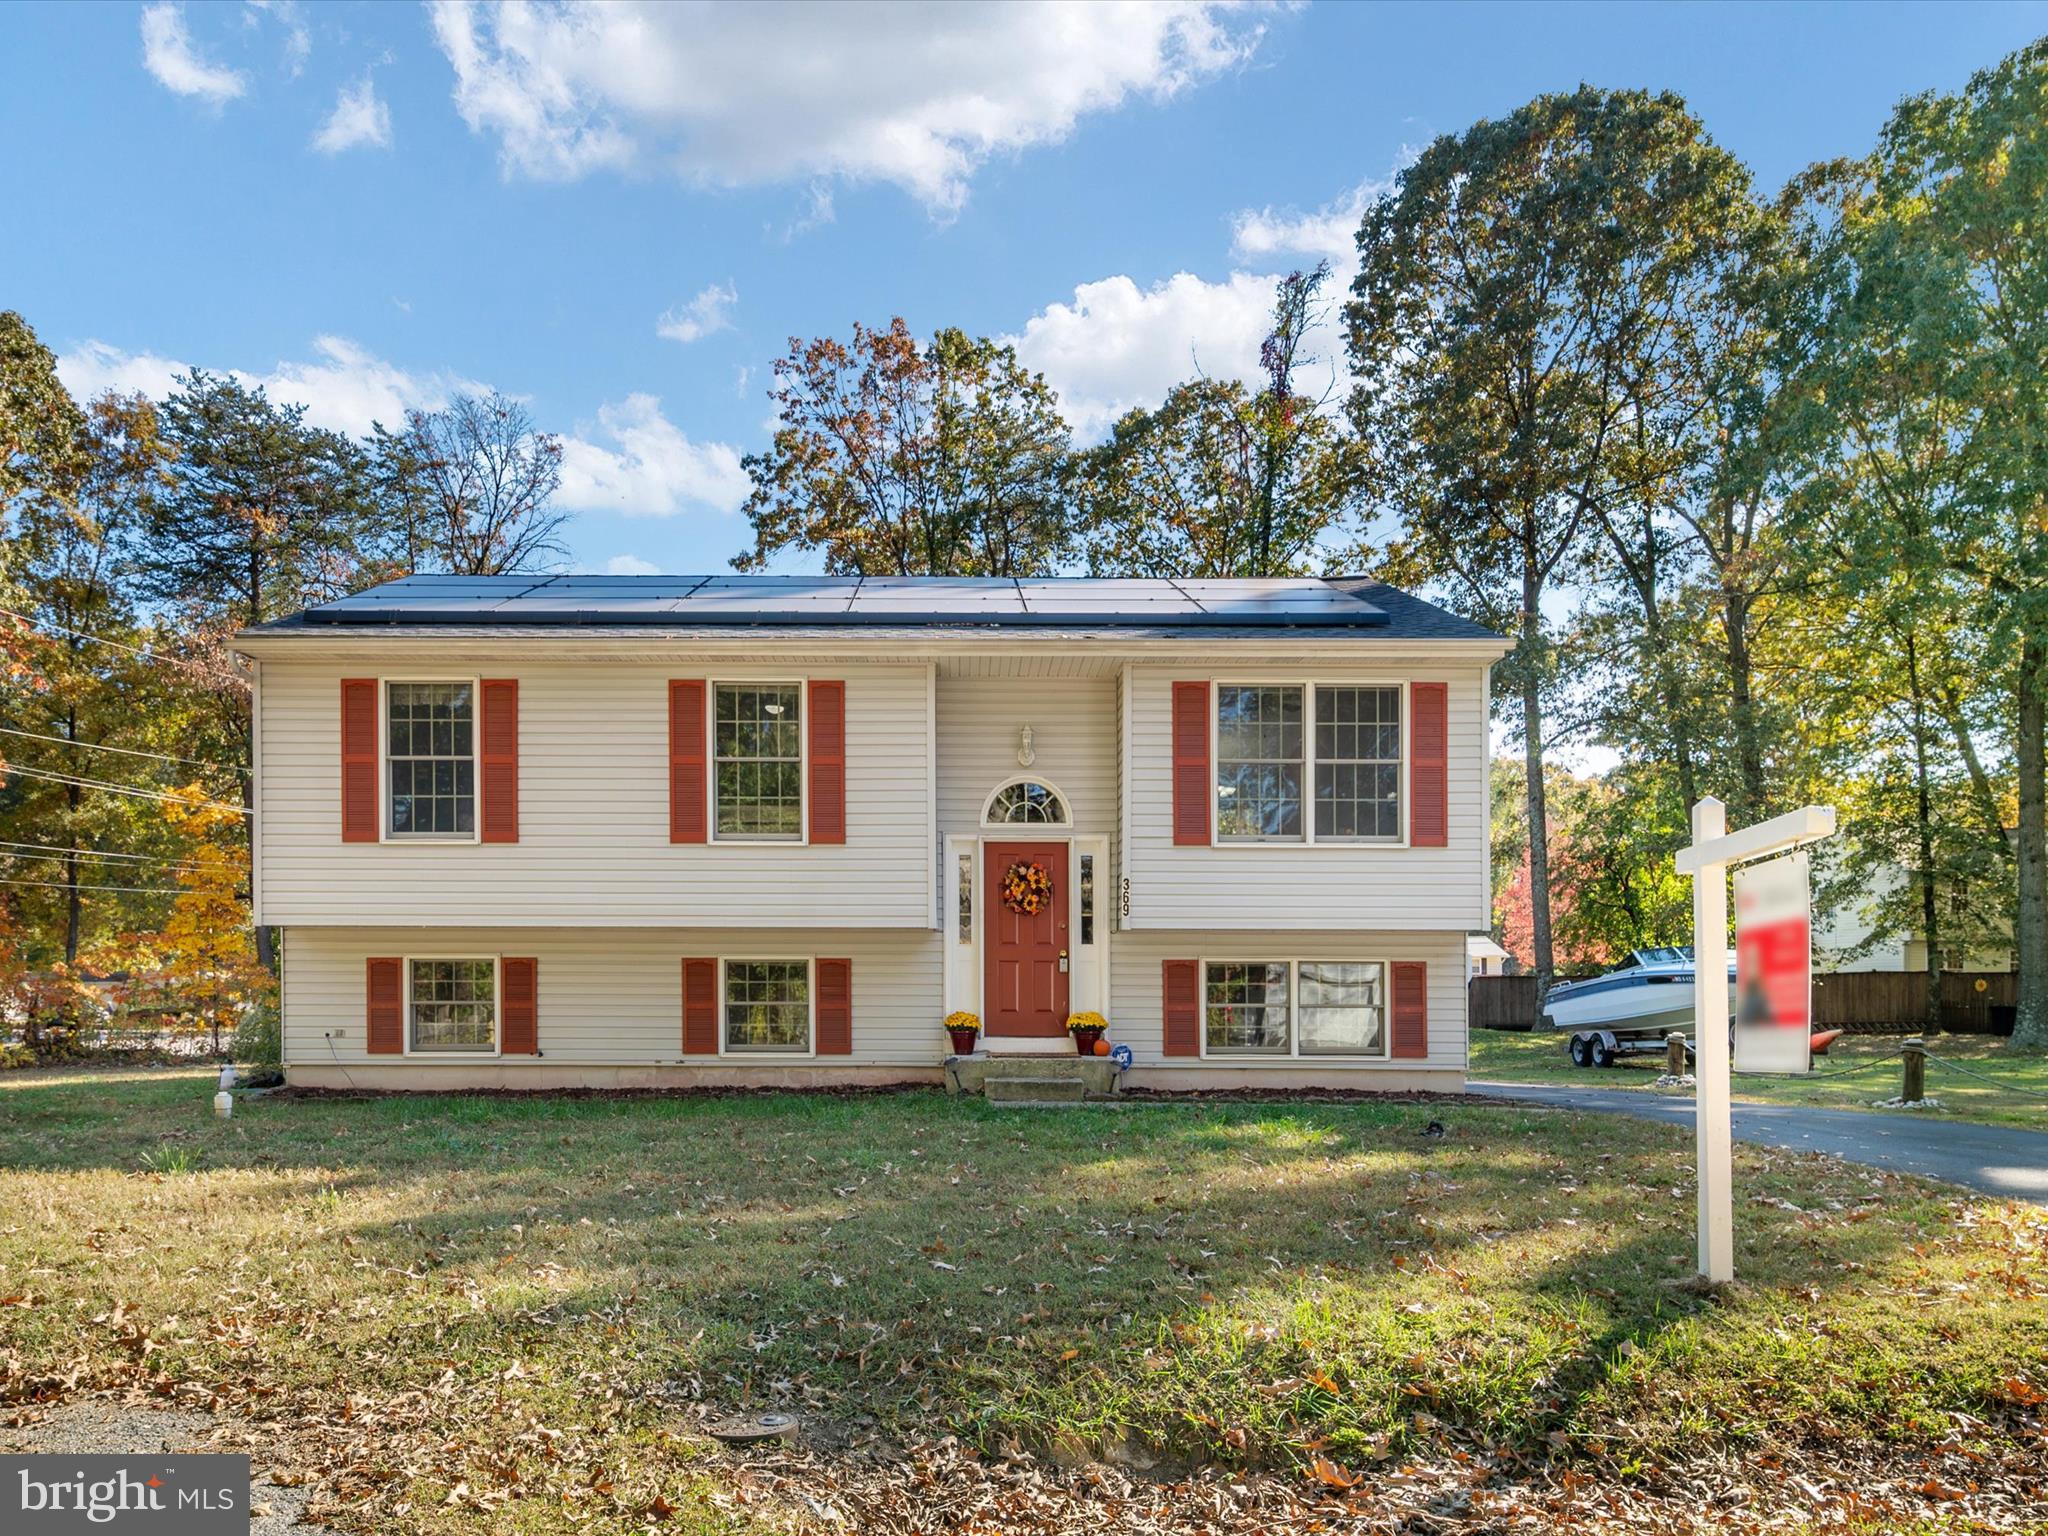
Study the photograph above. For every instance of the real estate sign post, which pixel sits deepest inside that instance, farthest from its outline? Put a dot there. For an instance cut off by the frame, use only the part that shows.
(1714, 848)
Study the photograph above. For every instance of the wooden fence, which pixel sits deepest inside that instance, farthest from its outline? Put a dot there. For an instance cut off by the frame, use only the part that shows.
(1861, 1002)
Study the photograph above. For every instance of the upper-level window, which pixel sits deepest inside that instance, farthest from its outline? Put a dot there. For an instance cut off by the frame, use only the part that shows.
(758, 746)
(453, 1004)
(1336, 745)
(431, 752)
(1258, 763)
(1358, 762)
(1026, 803)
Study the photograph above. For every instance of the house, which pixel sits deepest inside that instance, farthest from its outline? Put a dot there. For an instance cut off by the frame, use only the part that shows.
(525, 832)
(1483, 957)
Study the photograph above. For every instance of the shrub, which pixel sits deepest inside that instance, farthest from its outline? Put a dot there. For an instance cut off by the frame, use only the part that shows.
(259, 1041)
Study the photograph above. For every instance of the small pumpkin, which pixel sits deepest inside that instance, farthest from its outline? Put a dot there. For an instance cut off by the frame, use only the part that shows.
(1102, 1047)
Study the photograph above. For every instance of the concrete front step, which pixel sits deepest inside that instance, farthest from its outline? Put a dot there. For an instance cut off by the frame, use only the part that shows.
(1035, 1090)
(1092, 1077)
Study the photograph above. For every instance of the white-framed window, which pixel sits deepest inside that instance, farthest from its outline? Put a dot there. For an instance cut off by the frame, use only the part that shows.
(757, 777)
(1084, 887)
(1294, 1008)
(766, 1008)
(1026, 803)
(451, 1006)
(430, 758)
(964, 897)
(1309, 762)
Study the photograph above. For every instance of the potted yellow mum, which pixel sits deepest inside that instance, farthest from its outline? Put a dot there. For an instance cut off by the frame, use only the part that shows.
(965, 1028)
(1086, 1028)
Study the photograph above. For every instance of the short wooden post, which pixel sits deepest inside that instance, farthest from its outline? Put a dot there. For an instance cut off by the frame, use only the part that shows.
(1674, 1053)
(1915, 1056)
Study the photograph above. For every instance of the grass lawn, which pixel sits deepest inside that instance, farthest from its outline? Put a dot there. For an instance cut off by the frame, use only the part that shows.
(477, 1314)
(2016, 1095)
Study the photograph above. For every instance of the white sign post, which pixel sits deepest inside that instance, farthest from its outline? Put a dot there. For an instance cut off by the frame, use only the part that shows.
(1713, 849)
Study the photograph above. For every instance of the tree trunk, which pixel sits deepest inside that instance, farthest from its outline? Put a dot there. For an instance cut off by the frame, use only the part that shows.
(1539, 831)
(1749, 758)
(2030, 1031)
(1923, 812)
(1981, 793)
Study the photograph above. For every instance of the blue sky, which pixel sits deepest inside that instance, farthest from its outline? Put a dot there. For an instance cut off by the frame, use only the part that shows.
(622, 215)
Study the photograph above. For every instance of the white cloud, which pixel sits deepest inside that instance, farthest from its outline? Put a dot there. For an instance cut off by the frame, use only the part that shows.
(649, 468)
(359, 118)
(298, 39)
(1117, 346)
(630, 565)
(168, 54)
(731, 93)
(710, 311)
(1328, 233)
(343, 386)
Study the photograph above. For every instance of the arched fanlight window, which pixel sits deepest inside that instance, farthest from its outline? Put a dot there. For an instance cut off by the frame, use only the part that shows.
(1026, 803)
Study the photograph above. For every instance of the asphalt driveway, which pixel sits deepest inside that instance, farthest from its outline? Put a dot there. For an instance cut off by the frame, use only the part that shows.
(1999, 1160)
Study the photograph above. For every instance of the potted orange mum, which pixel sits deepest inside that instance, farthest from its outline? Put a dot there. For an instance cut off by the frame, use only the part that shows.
(1086, 1028)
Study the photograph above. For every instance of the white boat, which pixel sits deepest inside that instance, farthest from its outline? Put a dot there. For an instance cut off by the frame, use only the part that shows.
(1652, 990)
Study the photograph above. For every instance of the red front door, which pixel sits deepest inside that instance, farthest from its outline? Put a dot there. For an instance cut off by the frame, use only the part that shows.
(1025, 976)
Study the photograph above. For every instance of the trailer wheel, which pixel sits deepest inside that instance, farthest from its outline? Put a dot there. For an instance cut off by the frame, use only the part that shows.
(1599, 1052)
(1578, 1051)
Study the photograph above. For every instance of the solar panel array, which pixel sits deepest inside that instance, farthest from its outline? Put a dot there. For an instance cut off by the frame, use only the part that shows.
(850, 600)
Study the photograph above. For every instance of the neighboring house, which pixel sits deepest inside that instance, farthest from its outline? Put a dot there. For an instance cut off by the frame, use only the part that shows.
(1486, 958)
(650, 831)
(1849, 938)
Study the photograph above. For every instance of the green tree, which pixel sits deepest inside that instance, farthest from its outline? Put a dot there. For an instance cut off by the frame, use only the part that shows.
(1926, 382)
(1511, 318)
(1221, 481)
(895, 457)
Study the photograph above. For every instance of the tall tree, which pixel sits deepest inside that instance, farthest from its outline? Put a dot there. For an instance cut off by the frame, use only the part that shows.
(1928, 379)
(261, 515)
(1508, 322)
(472, 486)
(895, 457)
(1219, 480)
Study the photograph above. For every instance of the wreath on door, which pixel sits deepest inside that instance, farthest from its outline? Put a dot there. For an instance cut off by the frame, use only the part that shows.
(1027, 887)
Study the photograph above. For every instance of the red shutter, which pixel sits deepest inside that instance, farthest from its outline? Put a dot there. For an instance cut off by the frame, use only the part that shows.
(1183, 1032)
(1192, 790)
(828, 763)
(500, 759)
(1429, 795)
(700, 1007)
(519, 1032)
(384, 1015)
(835, 1007)
(686, 783)
(1411, 1009)
(359, 760)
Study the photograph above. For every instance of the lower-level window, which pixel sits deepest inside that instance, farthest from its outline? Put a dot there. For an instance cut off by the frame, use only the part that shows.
(1294, 1008)
(454, 1005)
(768, 1005)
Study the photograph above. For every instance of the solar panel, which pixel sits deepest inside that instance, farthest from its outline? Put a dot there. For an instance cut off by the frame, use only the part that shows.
(848, 600)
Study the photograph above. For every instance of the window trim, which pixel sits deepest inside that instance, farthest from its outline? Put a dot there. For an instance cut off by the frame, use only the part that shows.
(1015, 828)
(476, 768)
(1308, 686)
(497, 1049)
(1294, 1055)
(802, 684)
(810, 964)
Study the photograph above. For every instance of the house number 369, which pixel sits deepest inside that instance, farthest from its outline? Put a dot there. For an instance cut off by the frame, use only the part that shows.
(1123, 897)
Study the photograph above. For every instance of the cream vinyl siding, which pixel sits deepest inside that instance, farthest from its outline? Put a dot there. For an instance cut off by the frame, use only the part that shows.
(1137, 980)
(1327, 886)
(613, 997)
(1073, 726)
(593, 845)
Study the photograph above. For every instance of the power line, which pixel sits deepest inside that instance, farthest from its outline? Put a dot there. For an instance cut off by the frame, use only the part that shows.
(38, 850)
(100, 746)
(121, 645)
(133, 890)
(120, 789)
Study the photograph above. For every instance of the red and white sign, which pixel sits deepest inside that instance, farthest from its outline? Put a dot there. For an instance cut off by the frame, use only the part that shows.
(1773, 1005)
